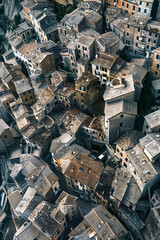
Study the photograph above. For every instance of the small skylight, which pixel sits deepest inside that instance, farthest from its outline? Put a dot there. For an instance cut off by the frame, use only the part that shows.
(99, 226)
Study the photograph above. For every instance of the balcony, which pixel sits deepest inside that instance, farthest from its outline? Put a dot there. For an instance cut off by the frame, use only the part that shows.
(142, 49)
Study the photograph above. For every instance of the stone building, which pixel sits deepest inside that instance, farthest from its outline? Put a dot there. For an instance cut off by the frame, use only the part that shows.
(97, 223)
(26, 52)
(79, 180)
(141, 34)
(78, 20)
(68, 205)
(25, 31)
(145, 172)
(127, 141)
(151, 123)
(45, 24)
(156, 63)
(29, 5)
(131, 7)
(25, 92)
(153, 223)
(50, 221)
(108, 42)
(86, 91)
(103, 67)
(119, 117)
(5, 134)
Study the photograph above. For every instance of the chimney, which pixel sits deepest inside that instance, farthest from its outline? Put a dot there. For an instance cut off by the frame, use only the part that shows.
(45, 11)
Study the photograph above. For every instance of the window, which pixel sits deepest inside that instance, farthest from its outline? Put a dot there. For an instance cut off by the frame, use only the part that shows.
(125, 165)
(140, 3)
(150, 33)
(99, 226)
(118, 150)
(139, 29)
(81, 88)
(97, 49)
(82, 100)
(149, 39)
(26, 99)
(153, 200)
(158, 56)
(126, 159)
(31, 97)
(122, 116)
(127, 42)
(134, 8)
(126, 12)
(5, 136)
(78, 46)
(158, 66)
(122, 4)
(72, 64)
(147, 46)
(71, 58)
(97, 67)
(127, 34)
(156, 73)
(134, 172)
(24, 93)
(121, 124)
(79, 51)
(147, 4)
(121, 154)
(70, 51)
(65, 32)
(137, 37)
(84, 49)
(139, 9)
(136, 44)
(61, 30)
(155, 34)
(82, 94)
(154, 41)
(127, 5)
(145, 10)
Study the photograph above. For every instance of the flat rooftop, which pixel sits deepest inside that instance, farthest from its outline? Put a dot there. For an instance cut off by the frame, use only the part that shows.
(116, 92)
(27, 49)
